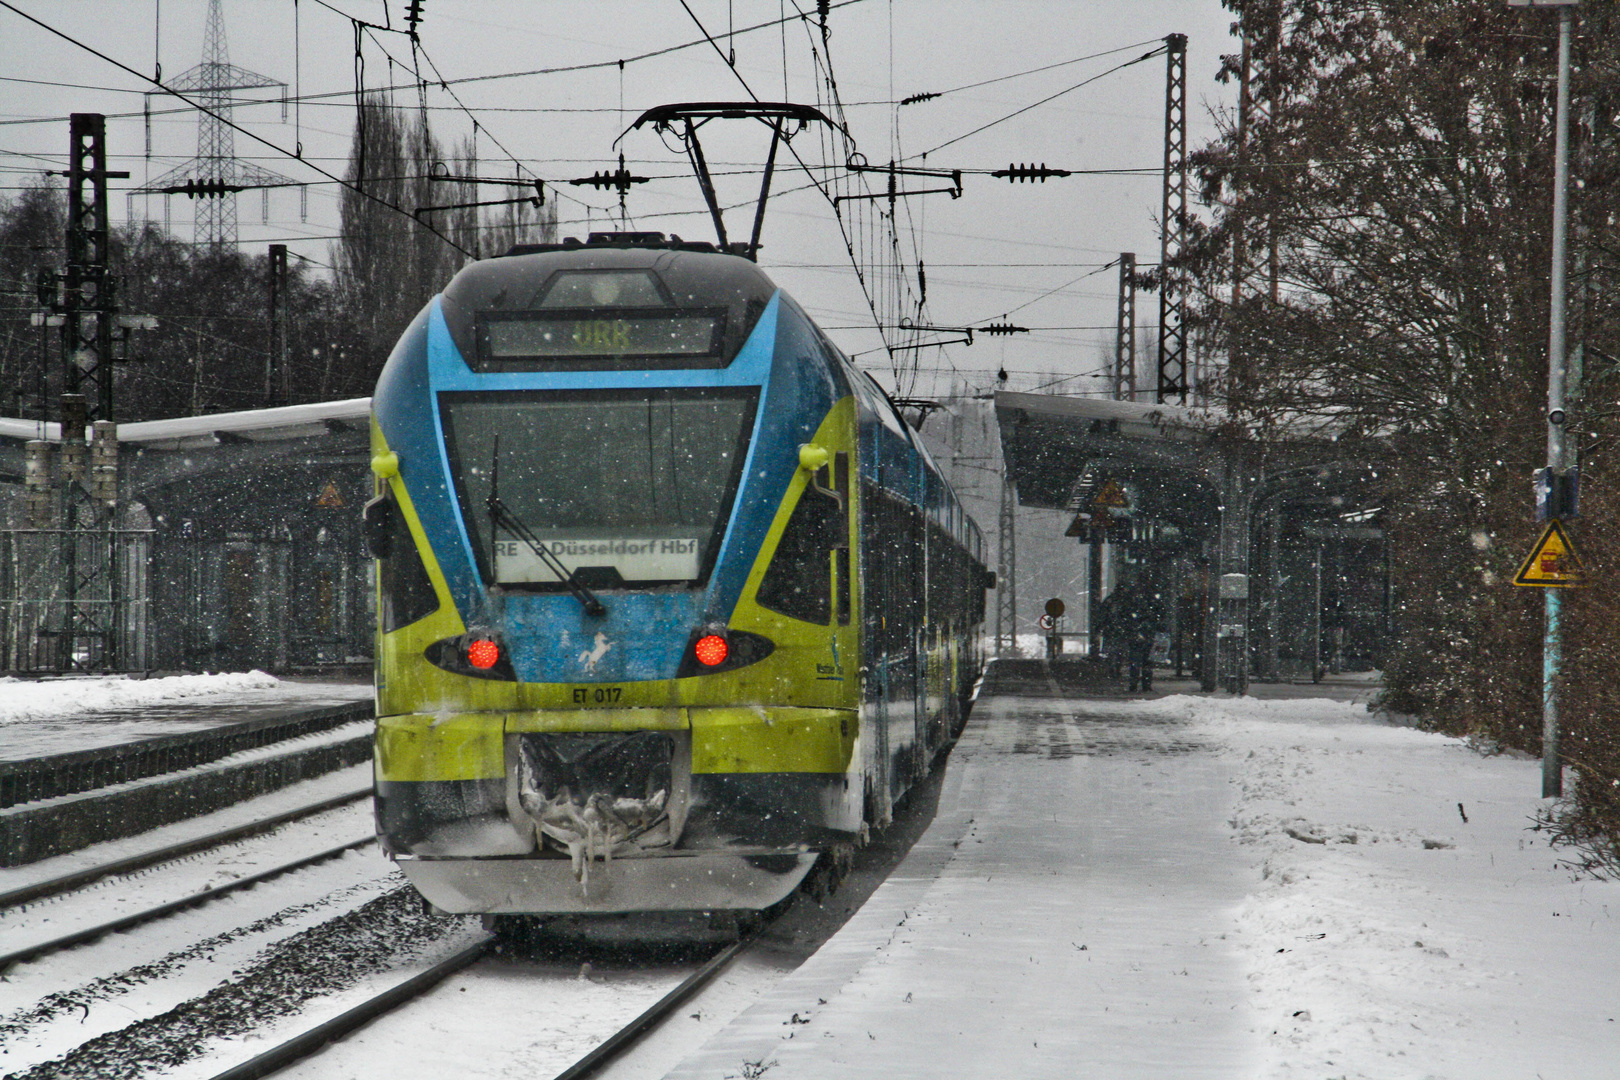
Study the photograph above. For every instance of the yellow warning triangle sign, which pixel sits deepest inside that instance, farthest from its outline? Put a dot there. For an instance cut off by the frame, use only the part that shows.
(1111, 496)
(1553, 563)
(330, 498)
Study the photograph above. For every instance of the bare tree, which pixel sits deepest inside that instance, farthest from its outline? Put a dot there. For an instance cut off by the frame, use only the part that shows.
(1388, 207)
(389, 262)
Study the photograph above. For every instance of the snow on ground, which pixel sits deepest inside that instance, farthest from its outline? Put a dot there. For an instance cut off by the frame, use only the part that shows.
(58, 715)
(316, 789)
(1184, 887)
(1208, 887)
(22, 699)
(1060, 918)
(1406, 920)
(140, 973)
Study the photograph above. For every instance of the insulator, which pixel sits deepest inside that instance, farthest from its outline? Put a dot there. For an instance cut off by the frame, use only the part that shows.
(104, 462)
(1017, 174)
(73, 455)
(37, 482)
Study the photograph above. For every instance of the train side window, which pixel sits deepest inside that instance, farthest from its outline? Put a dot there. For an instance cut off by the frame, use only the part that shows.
(407, 592)
(841, 489)
(844, 586)
(798, 583)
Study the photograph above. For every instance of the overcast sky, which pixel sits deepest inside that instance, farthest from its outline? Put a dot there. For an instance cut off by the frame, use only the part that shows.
(998, 247)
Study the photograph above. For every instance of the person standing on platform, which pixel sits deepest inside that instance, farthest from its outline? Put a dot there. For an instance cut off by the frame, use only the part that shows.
(1139, 614)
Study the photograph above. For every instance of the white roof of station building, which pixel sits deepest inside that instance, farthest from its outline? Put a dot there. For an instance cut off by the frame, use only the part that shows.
(255, 425)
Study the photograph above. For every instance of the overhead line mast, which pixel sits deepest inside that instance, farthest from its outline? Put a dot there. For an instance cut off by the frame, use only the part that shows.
(89, 633)
(1173, 229)
(1124, 374)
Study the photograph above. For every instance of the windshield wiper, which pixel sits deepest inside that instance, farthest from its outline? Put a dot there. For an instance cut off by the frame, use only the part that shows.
(501, 517)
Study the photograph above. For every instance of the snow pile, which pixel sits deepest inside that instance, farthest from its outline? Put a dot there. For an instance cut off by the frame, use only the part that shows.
(1237, 712)
(26, 700)
(1406, 921)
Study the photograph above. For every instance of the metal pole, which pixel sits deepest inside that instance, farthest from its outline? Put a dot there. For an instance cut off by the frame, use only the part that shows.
(44, 376)
(1123, 384)
(1007, 572)
(1172, 388)
(277, 267)
(1316, 635)
(1552, 778)
(1094, 594)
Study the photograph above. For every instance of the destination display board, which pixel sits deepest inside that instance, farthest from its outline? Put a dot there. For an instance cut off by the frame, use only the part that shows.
(666, 558)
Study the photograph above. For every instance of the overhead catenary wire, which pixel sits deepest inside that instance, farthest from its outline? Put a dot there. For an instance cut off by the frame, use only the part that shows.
(872, 302)
(1060, 288)
(1049, 98)
(637, 58)
(358, 189)
(876, 249)
(934, 95)
(443, 84)
(895, 284)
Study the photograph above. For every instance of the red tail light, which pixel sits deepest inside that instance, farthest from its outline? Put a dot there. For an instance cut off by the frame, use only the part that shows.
(483, 654)
(710, 650)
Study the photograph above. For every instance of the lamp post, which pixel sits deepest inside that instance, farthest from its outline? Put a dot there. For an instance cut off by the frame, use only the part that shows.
(1552, 773)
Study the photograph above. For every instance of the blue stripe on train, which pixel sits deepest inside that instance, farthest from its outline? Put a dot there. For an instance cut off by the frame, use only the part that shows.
(642, 637)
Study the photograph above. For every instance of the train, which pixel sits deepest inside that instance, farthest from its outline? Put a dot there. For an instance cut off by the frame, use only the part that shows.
(672, 602)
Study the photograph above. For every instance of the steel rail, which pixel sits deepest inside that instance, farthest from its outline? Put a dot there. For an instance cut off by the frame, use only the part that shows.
(65, 882)
(625, 1036)
(313, 1040)
(301, 1046)
(90, 933)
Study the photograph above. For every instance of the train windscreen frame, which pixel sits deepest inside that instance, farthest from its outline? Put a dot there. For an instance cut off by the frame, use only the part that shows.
(626, 488)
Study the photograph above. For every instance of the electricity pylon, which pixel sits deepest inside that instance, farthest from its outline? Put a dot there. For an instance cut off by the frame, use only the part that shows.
(214, 176)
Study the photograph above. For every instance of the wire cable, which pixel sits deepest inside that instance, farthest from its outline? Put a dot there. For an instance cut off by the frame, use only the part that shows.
(227, 122)
(1052, 97)
(1060, 288)
(1017, 74)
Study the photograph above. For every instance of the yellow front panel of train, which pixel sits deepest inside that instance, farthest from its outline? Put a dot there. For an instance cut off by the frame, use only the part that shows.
(464, 747)
(748, 739)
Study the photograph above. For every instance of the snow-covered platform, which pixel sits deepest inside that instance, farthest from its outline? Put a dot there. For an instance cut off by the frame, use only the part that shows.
(1207, 887)
(58, 716)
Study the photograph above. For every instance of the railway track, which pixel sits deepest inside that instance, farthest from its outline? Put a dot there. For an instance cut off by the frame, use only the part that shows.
(66, 884)
(158, 998)
(77, 879)
(309, 1042)
(60, 803)
(91, 933)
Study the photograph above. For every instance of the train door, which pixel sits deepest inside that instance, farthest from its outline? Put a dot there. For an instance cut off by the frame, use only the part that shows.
(922, 643)
(879, 615)
(905, 643)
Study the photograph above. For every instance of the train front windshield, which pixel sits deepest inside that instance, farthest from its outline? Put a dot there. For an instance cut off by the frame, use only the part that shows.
(625, 488)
